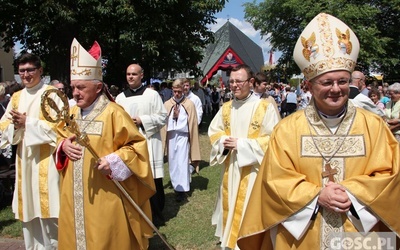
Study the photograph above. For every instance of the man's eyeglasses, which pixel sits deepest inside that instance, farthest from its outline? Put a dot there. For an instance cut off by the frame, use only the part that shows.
(30, 71)
(238, 82)
(330, 83)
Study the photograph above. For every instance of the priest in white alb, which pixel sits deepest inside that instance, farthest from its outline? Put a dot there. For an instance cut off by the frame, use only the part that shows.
(36, 200)
(239, 135)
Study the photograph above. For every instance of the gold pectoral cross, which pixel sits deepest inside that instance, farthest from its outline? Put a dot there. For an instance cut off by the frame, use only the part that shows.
(329, 172)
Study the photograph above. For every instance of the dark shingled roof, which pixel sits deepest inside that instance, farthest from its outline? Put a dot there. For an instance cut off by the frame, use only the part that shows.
(230, 37)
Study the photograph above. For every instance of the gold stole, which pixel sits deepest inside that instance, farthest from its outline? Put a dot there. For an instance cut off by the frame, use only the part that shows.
(43, 170)
(254, 131)
(91, 127)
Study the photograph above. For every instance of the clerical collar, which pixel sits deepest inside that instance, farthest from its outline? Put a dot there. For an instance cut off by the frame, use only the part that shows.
(179, 100)
(35, 88)
(137, 89)
(135, 92)
(333, 116)
(244, 99)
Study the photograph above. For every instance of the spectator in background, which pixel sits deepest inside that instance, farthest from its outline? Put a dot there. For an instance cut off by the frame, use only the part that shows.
(359, 99)
(228, 94)
(260, 89)
(215, 101)
(207, 96)
(165, 91)
(194, 166)
(194, 98)
(305, 97)
(114, 91)
(373, 94)
(3, 100)
(358, 78)
(260, 85)
(58, 85)
(382, 95)
(393, 110)
(276, 94)
(289, 104)
(197, 90)
(355, 84)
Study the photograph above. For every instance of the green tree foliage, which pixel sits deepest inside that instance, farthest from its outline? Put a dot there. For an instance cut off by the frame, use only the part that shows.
(375, 22)
(159, 34)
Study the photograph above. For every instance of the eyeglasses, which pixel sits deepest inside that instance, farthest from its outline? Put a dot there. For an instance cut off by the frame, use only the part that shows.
(30, 71)
(238, 82)
(330, 83)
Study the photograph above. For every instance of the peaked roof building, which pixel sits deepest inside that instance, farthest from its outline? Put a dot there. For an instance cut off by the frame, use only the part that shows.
(230, 48)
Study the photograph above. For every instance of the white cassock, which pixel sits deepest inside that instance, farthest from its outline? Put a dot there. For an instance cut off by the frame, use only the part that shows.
(178, 151)
(151, 111)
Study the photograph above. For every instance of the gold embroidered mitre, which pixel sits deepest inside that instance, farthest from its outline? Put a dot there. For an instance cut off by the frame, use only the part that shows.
(326, 44)
(86, 65)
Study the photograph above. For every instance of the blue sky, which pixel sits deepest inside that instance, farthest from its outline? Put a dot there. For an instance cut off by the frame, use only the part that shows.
(234, 10)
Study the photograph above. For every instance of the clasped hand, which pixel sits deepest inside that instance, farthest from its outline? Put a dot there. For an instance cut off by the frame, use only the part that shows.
(18, 119)
(176, 111)
(74, 153)
(230, 143)
(334, 197)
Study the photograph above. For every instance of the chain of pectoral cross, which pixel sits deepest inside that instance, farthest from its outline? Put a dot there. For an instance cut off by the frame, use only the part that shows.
(328, 170)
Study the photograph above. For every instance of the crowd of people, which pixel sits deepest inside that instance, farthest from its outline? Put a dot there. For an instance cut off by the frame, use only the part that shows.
(338, 172)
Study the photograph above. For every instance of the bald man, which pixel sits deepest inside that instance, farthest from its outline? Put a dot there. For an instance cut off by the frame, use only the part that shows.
(147, 110)
(358, 79)
(358, 94)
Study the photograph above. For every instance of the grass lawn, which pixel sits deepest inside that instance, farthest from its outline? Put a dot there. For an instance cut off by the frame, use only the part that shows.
(188, 224)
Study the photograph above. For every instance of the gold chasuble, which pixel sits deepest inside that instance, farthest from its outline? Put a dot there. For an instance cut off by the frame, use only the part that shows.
(362, 154)
(92, 207)
(237, 179)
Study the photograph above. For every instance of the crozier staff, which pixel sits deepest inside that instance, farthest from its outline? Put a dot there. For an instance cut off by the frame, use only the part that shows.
(87, 194)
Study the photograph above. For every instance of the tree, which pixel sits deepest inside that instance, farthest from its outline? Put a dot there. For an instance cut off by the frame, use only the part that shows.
(159, 34)
(375, 23)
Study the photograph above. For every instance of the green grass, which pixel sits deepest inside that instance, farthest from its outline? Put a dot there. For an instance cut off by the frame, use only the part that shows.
(9, 227)
(188, 224)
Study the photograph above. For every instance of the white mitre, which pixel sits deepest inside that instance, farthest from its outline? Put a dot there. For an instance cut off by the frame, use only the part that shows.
(86, 65)
(326, 44)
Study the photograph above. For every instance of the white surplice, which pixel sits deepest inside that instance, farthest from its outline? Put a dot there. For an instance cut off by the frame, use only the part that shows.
(151, 111)
(197, 103)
